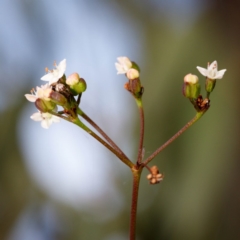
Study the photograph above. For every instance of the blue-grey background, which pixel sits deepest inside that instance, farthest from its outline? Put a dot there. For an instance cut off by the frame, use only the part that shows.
(60, 183)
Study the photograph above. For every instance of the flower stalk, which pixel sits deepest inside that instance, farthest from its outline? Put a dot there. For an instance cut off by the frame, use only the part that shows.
(141, 137)
(174, 137)
(110, 141)
(124, 159)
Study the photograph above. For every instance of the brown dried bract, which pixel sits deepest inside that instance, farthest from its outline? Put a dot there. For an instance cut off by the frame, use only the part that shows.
(203, 103)
(154, 177)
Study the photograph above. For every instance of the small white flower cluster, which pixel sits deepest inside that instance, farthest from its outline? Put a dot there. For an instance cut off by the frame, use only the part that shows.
(210, 72)
(43, 93)
(124, 66)
(192, 89)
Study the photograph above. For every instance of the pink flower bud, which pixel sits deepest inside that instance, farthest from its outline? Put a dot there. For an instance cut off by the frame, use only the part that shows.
(132, 74)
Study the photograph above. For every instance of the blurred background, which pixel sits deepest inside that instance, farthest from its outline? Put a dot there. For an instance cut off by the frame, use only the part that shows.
(60, 184)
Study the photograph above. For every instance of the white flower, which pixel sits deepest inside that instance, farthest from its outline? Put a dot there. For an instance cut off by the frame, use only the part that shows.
(212, 71)
(41, 92)
(123, 65)
(55, 74)
(46, 118)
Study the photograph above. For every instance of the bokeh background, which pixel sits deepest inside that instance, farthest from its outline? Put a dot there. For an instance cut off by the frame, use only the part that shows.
(60, 184)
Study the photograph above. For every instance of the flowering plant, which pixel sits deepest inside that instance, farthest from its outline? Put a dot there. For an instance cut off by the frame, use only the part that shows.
(66, 92)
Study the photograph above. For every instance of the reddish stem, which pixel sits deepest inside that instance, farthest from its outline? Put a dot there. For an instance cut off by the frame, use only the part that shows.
(111, 142)
(136, 179)
(141, 138)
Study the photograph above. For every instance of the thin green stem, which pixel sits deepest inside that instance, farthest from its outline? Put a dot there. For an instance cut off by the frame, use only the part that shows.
(141, 138)
(136, 180)
(110, 141)
(114, 151)
(189, 124)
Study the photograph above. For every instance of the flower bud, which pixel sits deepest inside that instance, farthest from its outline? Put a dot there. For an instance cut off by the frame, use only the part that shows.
(44, 106)
(190, 78)
(77, 84)
(210, 84)
(132, 74)
(191, 87)
(58, 98)
(73, 79)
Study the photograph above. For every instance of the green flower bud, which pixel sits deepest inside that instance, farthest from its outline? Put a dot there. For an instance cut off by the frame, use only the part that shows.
(76, 84)
(58, 98)
(44, 106)
(191, 87)
(132, 74)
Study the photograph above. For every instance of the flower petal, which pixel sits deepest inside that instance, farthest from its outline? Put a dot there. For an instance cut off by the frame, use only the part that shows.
(37, 116)
(55, 119)
(45, 123)
(203, 71)
(62, 66)
(119, 68)
(220, 74)
(30, 97)
(47, 77)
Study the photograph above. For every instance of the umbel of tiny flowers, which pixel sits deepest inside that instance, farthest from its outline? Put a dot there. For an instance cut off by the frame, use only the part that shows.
(211, 73)
(48, 96)
(54, 75)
